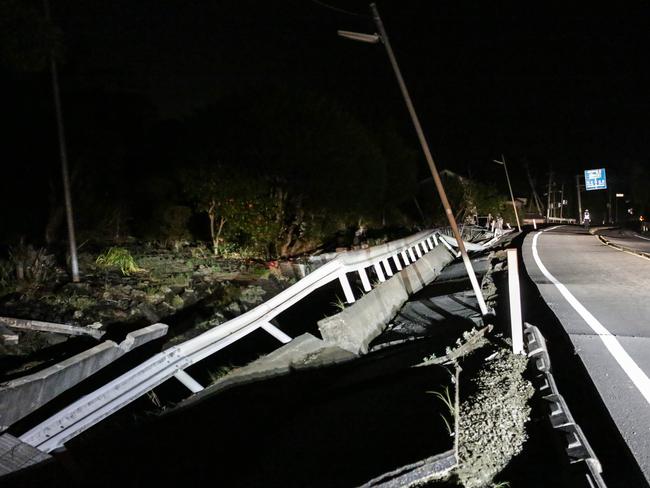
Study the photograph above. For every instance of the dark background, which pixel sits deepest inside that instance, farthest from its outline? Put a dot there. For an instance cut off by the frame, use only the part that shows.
(561, 89)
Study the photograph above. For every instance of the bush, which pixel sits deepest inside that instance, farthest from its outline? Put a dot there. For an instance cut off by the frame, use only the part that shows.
(32, 265)
(118, 257)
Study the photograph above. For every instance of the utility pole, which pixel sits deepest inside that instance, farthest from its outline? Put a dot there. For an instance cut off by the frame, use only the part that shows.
(432, 166)
(562, 200)
(609, 205)
(74, 263)
(548, 196)
(579, 199)
(512, 196)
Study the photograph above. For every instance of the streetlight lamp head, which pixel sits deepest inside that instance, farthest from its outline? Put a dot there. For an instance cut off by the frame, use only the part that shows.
(358, 36)
(498, 162)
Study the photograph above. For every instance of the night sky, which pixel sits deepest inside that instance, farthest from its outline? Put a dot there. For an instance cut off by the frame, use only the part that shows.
(563, 88)
(538, 81)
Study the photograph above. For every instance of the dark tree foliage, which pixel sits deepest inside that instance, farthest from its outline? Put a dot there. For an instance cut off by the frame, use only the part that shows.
(27, 37)
(321, 168)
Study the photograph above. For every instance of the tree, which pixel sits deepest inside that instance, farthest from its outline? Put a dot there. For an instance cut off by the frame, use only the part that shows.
(233, 201)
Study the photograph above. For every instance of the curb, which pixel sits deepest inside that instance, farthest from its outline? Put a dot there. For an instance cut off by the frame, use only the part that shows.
(605, 241)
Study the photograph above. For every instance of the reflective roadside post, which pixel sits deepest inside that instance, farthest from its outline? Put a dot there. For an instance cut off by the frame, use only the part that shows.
(383, 37)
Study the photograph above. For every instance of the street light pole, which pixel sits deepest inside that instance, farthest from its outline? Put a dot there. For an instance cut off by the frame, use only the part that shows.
(579, 199)
(74, 263)
(512, 196)
(427, 153)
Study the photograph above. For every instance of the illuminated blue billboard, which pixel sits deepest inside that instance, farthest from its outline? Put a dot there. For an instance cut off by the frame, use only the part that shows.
(595, 179)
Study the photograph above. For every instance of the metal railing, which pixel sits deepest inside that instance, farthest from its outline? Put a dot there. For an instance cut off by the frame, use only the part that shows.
(172, 362)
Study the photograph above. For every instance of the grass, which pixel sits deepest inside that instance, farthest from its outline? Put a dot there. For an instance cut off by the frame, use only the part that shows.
(118, 257)
(220, 372)
(445, 397)
(339, 304)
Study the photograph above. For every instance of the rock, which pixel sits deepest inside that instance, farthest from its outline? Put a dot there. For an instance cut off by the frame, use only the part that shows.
(148, 312)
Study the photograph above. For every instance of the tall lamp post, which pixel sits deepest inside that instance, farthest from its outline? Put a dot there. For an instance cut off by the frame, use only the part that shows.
(74, 263)
(383, 37)
(512, 196)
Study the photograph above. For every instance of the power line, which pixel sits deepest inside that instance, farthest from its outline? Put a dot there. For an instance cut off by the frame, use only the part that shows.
(338, 9)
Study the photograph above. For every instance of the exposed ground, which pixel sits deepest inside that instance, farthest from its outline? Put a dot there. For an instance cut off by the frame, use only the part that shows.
(169, 282)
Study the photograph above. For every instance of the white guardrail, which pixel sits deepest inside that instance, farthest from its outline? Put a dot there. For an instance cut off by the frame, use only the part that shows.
(172, 362)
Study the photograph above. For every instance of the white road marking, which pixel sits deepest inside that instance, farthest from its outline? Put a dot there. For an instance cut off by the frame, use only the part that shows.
(633, 371)
(618, 247)
(642, 237)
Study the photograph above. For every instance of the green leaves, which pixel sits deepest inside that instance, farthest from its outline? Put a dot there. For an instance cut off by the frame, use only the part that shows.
(118, 257)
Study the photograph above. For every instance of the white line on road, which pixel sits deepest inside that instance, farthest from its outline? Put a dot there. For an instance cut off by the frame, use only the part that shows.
(633, 371)
(641, 237)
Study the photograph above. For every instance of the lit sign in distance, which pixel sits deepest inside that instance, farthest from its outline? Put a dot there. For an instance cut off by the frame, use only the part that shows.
(595, 179)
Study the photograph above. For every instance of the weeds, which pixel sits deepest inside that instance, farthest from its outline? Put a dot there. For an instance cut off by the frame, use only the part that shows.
(445, 398)
(118, 257)
(220, 372)
(154, 399)
(339, 304)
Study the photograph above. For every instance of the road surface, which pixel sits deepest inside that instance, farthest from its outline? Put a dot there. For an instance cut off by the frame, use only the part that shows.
(601, 297)
(627, 239)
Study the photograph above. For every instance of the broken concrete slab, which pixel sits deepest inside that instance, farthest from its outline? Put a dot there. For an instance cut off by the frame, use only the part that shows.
(303, 352)
(21, 396)
(16, 455)
(40, 326)
(355, 327)
(416, 474)
(8, 336)
(141, 336)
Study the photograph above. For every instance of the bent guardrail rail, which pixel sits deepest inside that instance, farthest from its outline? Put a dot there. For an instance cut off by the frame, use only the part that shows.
(21, 396)
(92, 408)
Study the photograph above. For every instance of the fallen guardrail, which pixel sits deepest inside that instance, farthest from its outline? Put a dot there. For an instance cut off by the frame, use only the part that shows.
(22, 396)
(92, 408)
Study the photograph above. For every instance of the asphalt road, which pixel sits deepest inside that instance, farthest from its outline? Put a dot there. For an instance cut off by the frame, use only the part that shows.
(627, 239)
(600, 295)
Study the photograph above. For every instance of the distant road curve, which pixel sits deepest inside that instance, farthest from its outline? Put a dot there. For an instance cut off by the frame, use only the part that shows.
(627, 240)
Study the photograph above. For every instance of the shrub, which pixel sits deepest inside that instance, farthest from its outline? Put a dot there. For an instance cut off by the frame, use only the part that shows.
(32, 265)
(118, 257)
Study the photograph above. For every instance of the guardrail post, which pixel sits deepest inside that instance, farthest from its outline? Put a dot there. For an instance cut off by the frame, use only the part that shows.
(398, 265)
(412, 255)
(275, 332)
(364, 280)
(515, 303)
(378, 270)
(191, 384)
(347, 289)
(387, 268)
(418, 251)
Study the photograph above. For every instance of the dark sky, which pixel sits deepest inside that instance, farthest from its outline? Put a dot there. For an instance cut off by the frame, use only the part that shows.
(569, 84)
(562, 87)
